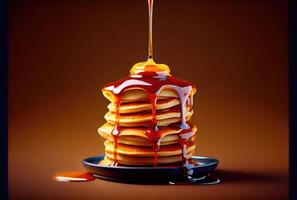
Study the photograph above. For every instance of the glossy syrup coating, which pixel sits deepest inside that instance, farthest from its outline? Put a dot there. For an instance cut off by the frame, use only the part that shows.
(152, 78)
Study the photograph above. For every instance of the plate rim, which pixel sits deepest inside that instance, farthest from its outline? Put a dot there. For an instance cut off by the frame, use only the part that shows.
(85, 162)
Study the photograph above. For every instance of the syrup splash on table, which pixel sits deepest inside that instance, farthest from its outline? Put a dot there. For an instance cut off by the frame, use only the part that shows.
(74, 177)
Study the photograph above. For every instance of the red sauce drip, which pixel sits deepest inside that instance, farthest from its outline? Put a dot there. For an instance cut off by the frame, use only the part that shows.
(156, 149)
(116, 130)
(153, 99)
(183, 146)
(192, 162)
(153, 135)
(74, 177)
(153, 132)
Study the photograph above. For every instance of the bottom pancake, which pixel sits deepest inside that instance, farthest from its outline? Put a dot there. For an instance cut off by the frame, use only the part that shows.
(143, 161)
(129, 150)
(145, 156)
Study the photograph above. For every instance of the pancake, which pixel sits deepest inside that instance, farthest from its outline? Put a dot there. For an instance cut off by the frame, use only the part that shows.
(131, 155)
(137, 135)
(143, 161)
(167, 150)
(147, 122)
(139, 119)
(140, 106)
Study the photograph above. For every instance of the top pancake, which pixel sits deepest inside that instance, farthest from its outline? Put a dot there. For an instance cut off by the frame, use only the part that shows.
(136, 94)
(136, 109)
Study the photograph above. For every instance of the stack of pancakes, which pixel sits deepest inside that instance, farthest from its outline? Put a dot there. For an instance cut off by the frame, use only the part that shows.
(134, 147)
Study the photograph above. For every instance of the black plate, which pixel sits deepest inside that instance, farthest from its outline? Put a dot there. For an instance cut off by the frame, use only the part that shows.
(149, 174)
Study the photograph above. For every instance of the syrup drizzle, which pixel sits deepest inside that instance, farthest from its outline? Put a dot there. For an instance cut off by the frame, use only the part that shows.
(153, 78)
(153, 131)
(152, 83)
(116, 130)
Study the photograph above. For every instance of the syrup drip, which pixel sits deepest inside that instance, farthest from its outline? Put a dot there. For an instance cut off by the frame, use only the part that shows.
(153, 135)
(74, 177)
(116, 130)
(153, 131)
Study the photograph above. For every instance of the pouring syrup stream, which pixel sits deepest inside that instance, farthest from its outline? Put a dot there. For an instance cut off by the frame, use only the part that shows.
(150, 29)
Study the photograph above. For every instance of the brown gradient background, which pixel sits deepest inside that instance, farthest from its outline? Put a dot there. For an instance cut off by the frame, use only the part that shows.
(62, 52)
